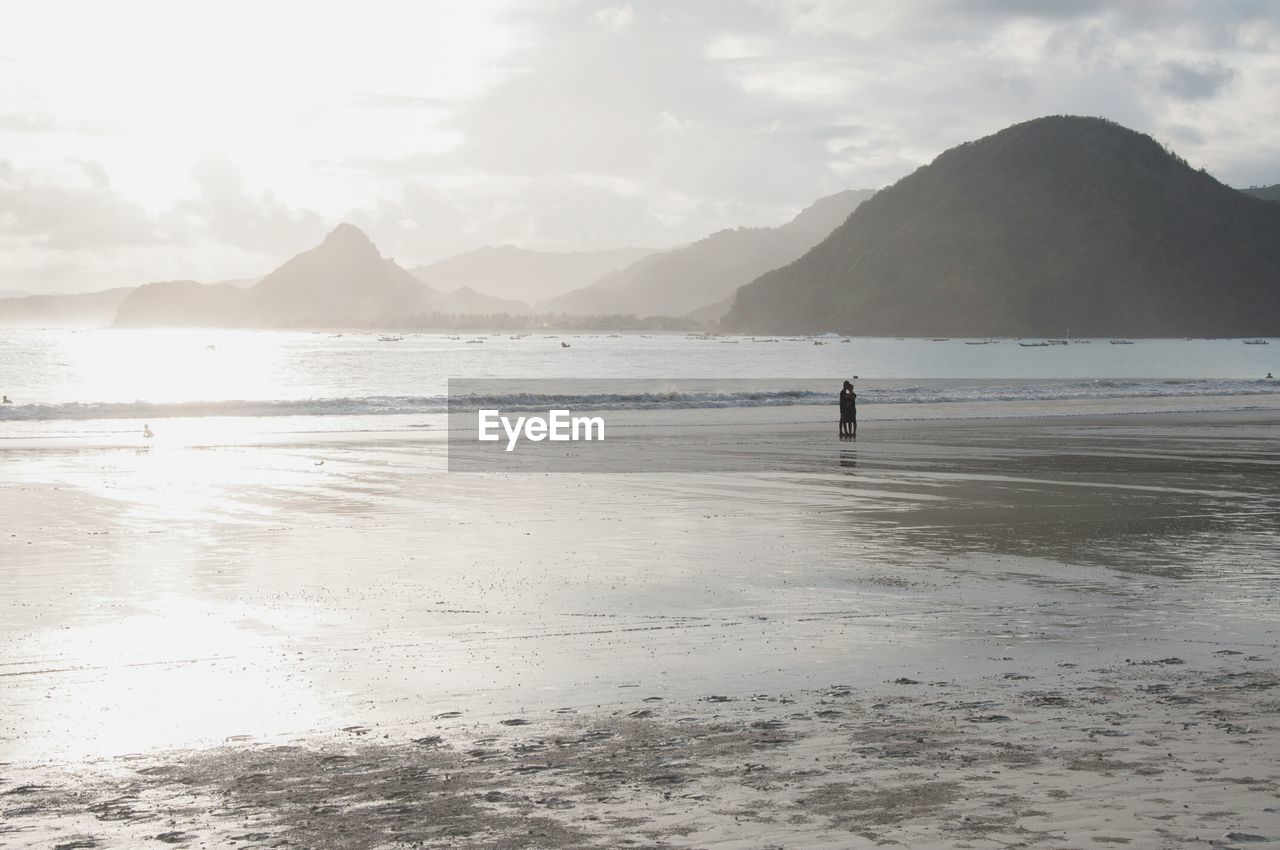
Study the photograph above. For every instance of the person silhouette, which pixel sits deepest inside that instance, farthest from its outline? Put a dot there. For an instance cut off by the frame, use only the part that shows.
(8, 400)
(848, 412)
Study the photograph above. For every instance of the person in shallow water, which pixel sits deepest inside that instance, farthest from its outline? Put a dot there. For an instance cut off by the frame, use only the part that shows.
(848, 412)
(7, 400)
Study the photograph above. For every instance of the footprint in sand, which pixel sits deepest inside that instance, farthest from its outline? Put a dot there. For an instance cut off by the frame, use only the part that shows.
(429, 741)
(515, 721)
(156, 770)
(768, 724)
(1243, 836)
(531, 768)
(446, 715)
(1168, 661)
(641, 714)
(668, 779)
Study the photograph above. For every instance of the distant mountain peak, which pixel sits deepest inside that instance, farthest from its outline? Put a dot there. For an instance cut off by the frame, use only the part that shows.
(1055, 225)
(347, 236)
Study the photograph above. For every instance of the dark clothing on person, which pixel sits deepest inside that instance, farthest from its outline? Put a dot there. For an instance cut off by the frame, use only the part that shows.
(848, 413)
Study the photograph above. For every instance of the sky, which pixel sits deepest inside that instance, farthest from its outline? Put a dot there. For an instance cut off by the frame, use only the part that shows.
(144, 141)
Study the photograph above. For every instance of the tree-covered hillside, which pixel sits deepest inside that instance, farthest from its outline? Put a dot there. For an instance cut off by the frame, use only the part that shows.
(1058, 225)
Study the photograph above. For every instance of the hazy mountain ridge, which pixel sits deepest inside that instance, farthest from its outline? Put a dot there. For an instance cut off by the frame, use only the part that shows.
(696, 276)
(343, 280)
(1267, 193)
(1054, 226)
(522, 274)
(177, 303)
(80, 310)
(346, 280)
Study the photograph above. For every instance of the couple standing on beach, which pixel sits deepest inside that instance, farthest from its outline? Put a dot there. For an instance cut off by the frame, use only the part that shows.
(848, 412)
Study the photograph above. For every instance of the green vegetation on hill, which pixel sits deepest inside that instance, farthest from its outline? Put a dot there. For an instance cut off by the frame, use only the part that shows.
(1058, 225)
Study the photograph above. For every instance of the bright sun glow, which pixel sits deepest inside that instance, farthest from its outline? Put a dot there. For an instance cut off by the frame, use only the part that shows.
(171, 366)
(186, 672)
(258, 83)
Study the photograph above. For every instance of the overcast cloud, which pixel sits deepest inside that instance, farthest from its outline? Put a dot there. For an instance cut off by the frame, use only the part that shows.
(149, 140)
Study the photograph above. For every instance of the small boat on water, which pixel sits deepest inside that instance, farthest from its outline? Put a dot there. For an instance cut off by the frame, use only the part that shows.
(1122, 342)
(818, 342)
(564, 345)
(1256, 342)
(1034, 344)
(940, 339)
(474, 341)
(390, 338)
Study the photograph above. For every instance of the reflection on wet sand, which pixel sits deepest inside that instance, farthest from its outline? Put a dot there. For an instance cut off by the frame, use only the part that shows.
(1133, 499)
(299, 596)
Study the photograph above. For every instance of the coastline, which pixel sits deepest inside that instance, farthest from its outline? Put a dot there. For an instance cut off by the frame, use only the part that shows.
(309, 590)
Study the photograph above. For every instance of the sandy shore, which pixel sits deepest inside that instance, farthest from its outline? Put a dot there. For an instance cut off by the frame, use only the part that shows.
(1054, 632)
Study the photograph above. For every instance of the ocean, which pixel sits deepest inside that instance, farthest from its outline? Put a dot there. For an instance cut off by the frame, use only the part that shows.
(104, 384)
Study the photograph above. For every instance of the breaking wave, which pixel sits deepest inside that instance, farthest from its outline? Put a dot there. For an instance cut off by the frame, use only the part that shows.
(895, 392)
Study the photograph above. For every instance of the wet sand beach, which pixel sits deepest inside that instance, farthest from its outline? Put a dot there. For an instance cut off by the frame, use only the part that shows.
(1055, 632)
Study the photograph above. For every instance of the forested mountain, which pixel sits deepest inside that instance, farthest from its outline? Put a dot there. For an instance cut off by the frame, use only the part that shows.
(1058, 225)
